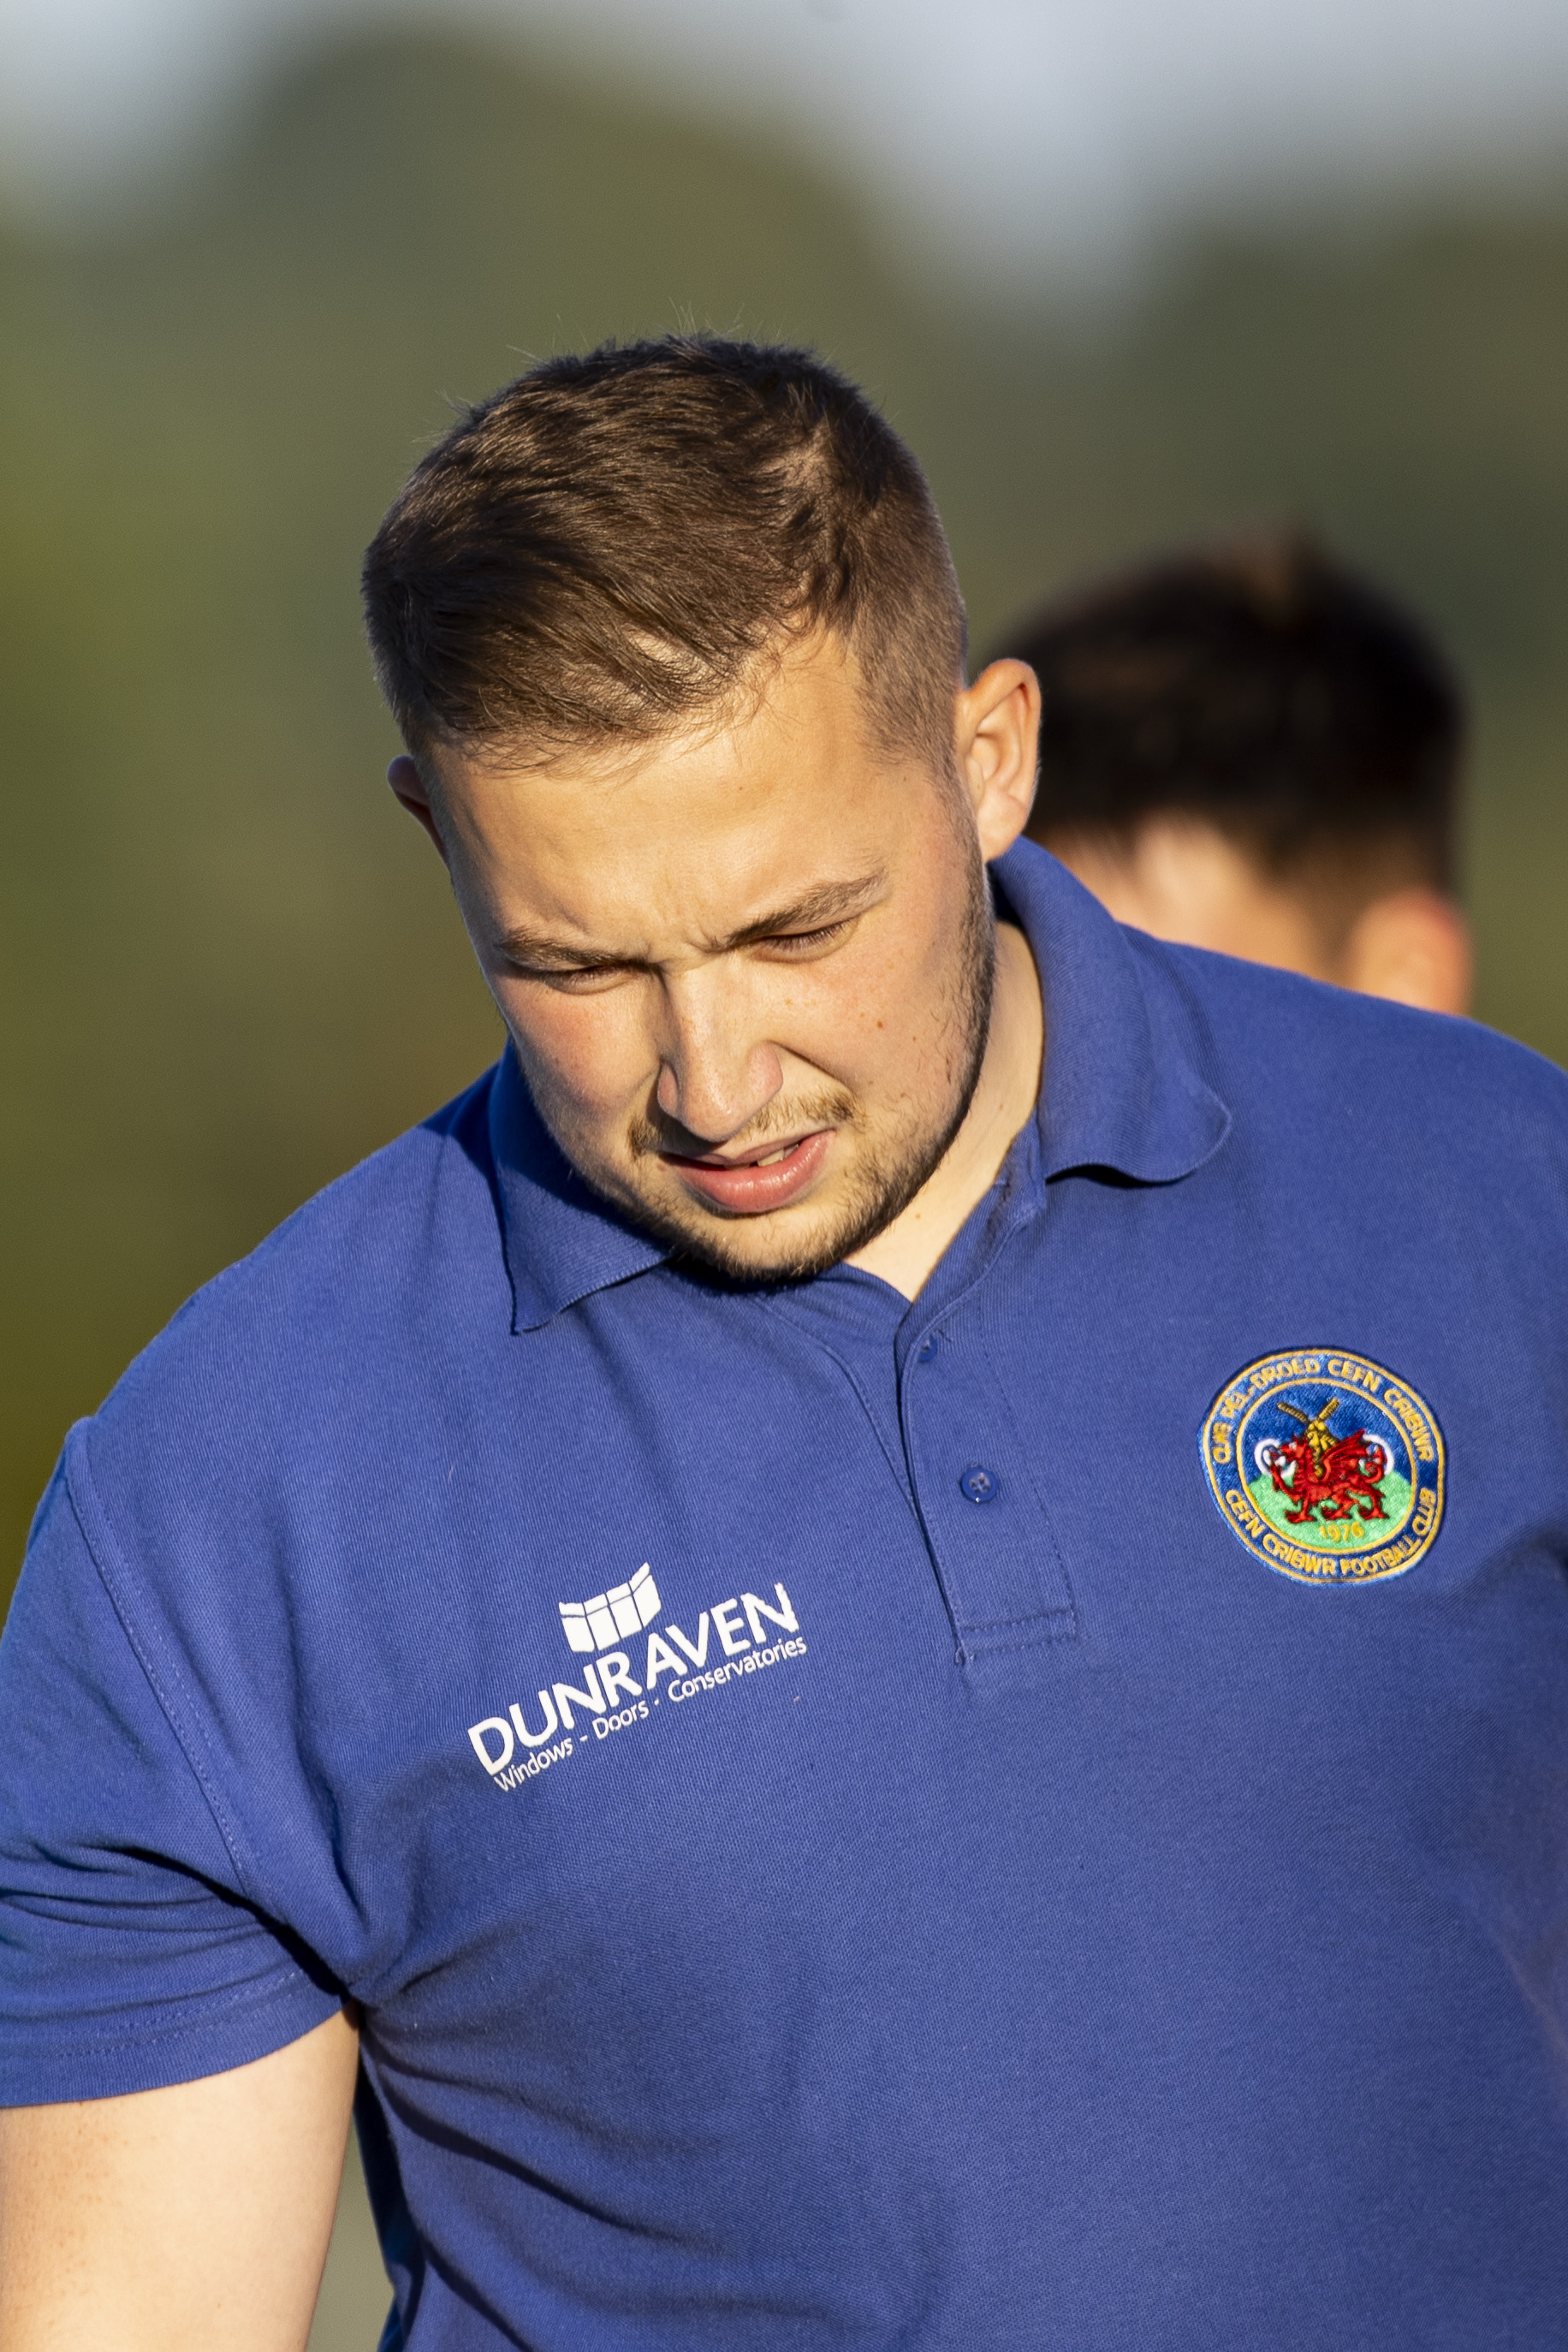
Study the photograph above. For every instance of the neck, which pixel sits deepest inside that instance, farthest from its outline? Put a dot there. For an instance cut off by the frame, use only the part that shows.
(908, 1252)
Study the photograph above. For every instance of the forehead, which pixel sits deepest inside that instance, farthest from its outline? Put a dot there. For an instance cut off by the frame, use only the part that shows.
(788, 788)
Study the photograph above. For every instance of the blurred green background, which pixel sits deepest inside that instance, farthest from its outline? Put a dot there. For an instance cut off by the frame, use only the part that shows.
(230, 968)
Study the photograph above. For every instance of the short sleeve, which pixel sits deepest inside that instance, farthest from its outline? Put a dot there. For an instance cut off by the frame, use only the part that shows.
(131, 1956)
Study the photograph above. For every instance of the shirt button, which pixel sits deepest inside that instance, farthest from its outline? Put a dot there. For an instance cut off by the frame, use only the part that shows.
(978, 1484)
(927, 1348)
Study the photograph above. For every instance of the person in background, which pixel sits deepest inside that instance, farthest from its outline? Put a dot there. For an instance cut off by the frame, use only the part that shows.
(1247, 747)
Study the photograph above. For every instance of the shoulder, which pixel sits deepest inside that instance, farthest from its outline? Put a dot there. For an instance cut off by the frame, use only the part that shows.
(1272, 1041)
(351, 1277)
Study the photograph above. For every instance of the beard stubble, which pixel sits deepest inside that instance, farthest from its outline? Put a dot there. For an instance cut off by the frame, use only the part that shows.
(883, 1181)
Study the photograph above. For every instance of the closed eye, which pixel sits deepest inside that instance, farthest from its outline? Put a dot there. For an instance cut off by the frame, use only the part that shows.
(574, 979)
(789, 936)
(810, 943)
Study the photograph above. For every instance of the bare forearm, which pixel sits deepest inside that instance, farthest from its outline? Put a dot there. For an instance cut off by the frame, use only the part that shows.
(179, 2219)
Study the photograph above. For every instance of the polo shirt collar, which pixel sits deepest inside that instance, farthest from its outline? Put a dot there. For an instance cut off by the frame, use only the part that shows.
(1121, 1093)
(562, 1240)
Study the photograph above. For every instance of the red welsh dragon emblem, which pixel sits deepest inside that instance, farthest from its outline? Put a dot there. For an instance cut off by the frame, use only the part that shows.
(1337, 1477)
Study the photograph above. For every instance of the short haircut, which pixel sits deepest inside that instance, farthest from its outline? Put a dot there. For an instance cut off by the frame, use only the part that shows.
(1260, 685)
(611, 546)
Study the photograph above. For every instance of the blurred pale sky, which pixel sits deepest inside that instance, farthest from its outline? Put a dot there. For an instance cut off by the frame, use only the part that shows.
(1060, 131)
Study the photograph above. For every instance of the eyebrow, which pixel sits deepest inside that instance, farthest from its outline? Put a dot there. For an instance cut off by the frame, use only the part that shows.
(832, 902)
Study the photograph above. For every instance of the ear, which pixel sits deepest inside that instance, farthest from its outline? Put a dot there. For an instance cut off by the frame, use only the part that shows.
(1415, 947)
(996, 736)
(408, 788)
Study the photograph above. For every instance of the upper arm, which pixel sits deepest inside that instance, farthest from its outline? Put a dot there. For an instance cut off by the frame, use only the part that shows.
(174, 2220)
(176, 2072)
(135, 1951)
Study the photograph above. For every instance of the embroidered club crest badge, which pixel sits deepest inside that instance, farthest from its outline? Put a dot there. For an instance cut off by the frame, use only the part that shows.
(1326, 1466)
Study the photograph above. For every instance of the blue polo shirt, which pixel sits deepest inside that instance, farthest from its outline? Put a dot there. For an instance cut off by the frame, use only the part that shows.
(1034, 1819)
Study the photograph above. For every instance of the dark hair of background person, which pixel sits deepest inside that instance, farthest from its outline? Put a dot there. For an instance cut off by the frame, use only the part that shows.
(1264, 689)
(607, 545)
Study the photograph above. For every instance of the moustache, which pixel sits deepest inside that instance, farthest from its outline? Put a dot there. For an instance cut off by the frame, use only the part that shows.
(651, 1135)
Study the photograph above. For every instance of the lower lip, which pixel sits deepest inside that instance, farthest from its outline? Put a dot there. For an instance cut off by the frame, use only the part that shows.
(751, 1192)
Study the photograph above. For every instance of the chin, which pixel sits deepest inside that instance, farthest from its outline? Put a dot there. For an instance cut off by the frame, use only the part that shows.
(795, 1242)
(801, 1263)
(781, 1247)
(787, 1245)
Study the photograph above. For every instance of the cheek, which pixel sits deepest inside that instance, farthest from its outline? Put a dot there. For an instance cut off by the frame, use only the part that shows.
(878, 1008)
(584, 1058)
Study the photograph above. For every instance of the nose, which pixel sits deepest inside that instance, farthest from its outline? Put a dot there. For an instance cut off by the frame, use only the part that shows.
(715, 1075)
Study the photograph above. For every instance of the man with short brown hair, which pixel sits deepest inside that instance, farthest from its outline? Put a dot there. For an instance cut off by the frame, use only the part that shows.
(550, 586)
(875, 1648)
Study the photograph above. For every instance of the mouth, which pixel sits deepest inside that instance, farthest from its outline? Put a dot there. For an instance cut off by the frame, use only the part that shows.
(769, 1178)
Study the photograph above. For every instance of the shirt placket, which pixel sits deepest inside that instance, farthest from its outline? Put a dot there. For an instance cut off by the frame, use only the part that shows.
(978, 1489)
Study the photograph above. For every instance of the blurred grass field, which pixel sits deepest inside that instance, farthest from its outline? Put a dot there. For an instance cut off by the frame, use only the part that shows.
(229, 967)
(355, 2296)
